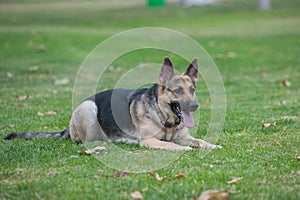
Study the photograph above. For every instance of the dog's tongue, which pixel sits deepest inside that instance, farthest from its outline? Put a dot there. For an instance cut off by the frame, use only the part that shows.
(188, 120)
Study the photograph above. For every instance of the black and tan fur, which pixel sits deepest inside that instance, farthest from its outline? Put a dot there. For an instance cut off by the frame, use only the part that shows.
(156, 117)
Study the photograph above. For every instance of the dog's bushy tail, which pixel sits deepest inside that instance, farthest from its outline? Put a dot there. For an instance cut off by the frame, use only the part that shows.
(29, 135)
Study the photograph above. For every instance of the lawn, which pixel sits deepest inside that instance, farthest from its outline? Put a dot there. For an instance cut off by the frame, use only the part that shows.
(257, 53)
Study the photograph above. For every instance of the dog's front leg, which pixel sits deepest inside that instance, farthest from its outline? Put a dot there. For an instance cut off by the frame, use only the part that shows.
(157, 144)
(184, 138)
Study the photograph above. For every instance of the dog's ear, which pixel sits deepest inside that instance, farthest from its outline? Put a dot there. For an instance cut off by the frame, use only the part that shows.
(192, 71)
(166, 72)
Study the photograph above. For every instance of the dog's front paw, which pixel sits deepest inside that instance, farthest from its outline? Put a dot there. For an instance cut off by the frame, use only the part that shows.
(187, 148)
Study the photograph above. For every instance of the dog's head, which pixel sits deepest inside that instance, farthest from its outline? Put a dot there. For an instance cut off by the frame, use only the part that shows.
(176, 93)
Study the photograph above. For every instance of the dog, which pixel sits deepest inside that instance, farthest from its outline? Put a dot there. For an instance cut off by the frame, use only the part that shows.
(157, 117)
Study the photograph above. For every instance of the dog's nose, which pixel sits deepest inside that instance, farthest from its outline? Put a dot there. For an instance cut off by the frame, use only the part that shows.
(193, 106)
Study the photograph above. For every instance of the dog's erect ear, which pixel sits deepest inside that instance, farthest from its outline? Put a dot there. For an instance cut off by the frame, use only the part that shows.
(166, 72)
(192, 71)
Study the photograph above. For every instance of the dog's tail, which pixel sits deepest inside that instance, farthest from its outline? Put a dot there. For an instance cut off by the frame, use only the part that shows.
(29, 135)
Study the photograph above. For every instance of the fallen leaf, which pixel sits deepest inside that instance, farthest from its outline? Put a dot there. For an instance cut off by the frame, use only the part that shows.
(34, 68)
(40, 48)
(214, 195)
(22, 98)
(266, 125)
(120, 174)
(40, 114)
(145, 159)
(211, 43)
(136, 195)
(74, 156)
(51, 113)
(114, 69)
(285, 83)
(289, 117)
(9, 75)
(95, 150)
(235, 180)
(63, 81)
(11, 126)
(156, 176)
(179, 176)
(230, 54)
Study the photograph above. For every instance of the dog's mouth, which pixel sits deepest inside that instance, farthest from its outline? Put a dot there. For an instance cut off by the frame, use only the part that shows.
(187, 118)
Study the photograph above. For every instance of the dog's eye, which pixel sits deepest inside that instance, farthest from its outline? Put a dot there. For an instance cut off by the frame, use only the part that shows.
(192, 90)
(179, 90)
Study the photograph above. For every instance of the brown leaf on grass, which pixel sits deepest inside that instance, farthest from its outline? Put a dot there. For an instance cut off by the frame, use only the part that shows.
(34, 68)
(285, 83)
(145, 159)
(157, 177)
(63, 81)
(40, 48)
(289, 117)
(179, 176)
(136, 195)
(95, 150)
(40, 114)
(74, 156)
(235, 180)
(266, 125)
(51, 113)
(9, 75)
(114, 69)
(120, 174)
(214, 195)
(22, 98)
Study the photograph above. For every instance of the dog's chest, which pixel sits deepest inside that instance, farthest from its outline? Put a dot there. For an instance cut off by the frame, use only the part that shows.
(168, 134)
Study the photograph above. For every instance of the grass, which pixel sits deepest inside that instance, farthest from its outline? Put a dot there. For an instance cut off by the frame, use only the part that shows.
(266, 48)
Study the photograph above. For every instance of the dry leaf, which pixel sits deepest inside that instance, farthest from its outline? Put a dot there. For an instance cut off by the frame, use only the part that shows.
(179, 176)
(289, 117)
(51, 113)
(214, 195)
(156, 176)
(74, 156)
(120, 174)
(40, 48)
(235, 180)
(9, 75)
(285, 83)
(95, 150)
(40, 114)
(63, 81)
(230, 54)
(114, 69)
(34, 68)
(266, 125)
(11, 126)
(136, 195)
(22, 98)
(145, 159)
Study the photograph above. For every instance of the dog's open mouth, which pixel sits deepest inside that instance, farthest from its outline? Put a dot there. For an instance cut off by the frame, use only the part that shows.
(187, 118)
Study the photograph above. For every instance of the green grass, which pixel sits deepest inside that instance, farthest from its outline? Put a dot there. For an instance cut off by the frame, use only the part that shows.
(57, 39)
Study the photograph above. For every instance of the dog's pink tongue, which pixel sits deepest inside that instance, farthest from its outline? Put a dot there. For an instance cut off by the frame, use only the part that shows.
(188, 120)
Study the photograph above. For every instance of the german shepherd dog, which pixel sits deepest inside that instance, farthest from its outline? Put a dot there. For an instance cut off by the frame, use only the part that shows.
(158, 117)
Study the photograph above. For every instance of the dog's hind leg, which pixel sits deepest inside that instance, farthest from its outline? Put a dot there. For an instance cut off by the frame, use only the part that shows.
(84, 125)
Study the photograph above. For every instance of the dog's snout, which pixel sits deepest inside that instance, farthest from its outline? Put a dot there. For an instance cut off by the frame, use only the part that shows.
(193, 106)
